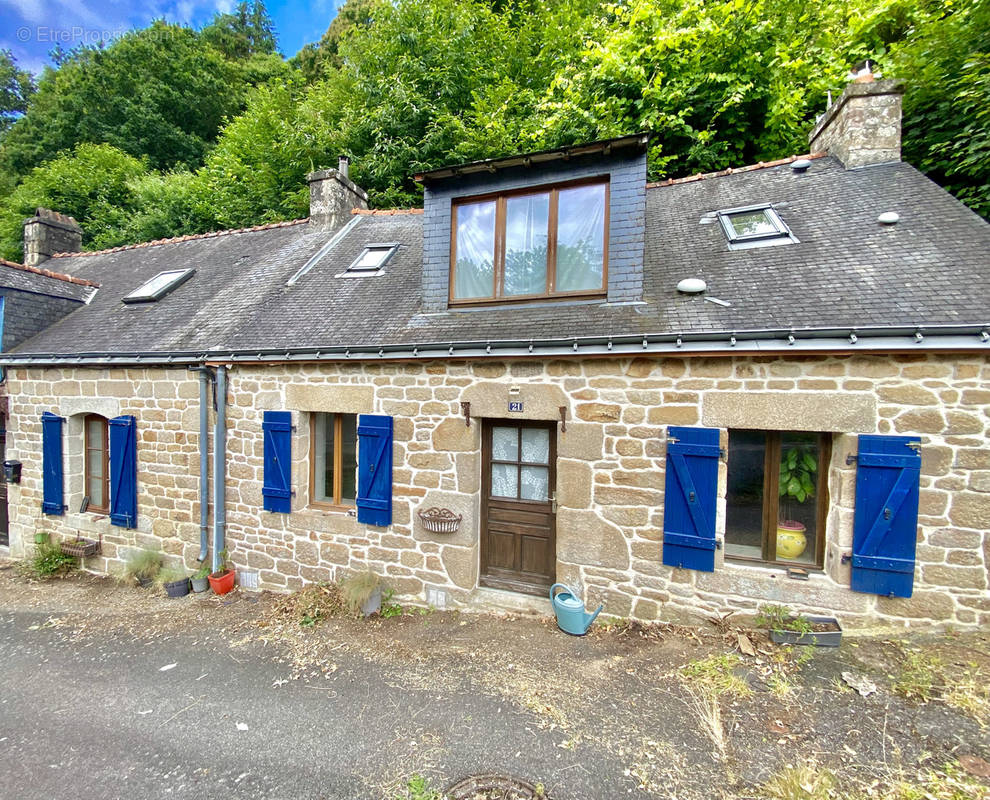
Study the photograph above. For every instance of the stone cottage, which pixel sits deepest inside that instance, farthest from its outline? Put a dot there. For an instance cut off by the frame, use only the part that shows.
(31, 299)
(764, 385)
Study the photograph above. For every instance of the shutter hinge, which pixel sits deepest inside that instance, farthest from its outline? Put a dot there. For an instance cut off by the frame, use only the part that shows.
(673, 439)
(846, 558)
(850, 459)
(913, 445)
(723, 454)
(718, 544)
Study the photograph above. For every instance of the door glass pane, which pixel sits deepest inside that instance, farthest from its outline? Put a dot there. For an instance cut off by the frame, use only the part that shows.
(505, 480)
(535, 445)
(580, 238)
(534, 483)
(744, 495)
(526, 221)
(323, 450)
(94, 463)
(797, 523)
(94, 432)
(505, 444)
(474, 271)
(348, 437)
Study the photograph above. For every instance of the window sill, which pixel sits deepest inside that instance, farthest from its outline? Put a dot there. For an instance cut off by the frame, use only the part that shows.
(330, 508)
(783, 566)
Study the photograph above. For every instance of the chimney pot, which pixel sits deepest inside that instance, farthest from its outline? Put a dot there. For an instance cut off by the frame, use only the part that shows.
(48, 233)
(863, 126)
(343, 166)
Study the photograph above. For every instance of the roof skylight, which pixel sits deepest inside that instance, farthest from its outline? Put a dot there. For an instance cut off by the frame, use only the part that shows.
(371, 261)
(159, 286)
(754, 226)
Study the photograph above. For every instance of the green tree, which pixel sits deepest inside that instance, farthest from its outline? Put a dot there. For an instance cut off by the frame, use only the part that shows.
(245, 32)
(946, 67)
(314, 59)
(90, 183)
(720, 83)
(161, 93)
(16, 88)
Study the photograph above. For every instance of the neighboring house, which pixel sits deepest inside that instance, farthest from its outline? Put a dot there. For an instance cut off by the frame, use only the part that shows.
(518, 352)
(31, 299)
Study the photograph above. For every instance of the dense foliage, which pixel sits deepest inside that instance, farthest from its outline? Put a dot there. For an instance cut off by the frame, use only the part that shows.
(170, 131)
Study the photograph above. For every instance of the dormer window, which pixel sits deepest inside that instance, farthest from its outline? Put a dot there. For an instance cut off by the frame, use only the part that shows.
(371, 261)
(530, 244)
(754, 226)
(159, 286)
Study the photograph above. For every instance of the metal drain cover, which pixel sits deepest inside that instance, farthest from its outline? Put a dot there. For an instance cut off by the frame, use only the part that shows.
(495, 787)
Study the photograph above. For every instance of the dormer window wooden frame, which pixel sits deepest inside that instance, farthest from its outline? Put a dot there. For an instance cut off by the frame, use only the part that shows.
(498, 209)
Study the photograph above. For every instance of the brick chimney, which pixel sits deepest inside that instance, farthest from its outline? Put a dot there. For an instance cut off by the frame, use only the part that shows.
(863, 126)
(47, 233)
(332, 196)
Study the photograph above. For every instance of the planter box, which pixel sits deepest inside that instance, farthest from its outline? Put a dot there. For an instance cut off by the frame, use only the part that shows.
(817, 638)
(200, 584)
(177, 588)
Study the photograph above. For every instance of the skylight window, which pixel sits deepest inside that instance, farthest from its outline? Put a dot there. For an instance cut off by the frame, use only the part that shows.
(159, 286)
(371, 261)
(754, 226)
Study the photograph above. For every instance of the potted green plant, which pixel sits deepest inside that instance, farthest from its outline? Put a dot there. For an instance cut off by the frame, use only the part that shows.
(175, 581)
(786, 627)
(143, 566)
(797, 484)
(201, 578)
(222, 581)
(362, 592)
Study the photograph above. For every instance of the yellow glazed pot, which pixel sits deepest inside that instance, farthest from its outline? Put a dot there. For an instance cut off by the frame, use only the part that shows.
(791, 540)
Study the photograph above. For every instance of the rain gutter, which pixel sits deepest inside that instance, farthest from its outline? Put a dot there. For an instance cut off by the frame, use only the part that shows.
(887, 339)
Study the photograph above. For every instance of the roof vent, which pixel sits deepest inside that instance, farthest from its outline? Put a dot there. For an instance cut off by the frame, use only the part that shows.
(801, 165)
(692, 286)
(889, 218)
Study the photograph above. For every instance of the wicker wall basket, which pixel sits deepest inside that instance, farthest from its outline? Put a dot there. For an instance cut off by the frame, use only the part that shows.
(440, 520)
(80, 548)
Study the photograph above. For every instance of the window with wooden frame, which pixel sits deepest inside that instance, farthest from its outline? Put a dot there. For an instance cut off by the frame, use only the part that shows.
(530, 244)
(97, 464)
(333, 460)
(777, 497)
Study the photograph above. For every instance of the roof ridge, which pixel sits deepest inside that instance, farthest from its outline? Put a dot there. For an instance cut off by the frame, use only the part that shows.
(60, 276)
(385, 212)
(732, 170)
(187, 238)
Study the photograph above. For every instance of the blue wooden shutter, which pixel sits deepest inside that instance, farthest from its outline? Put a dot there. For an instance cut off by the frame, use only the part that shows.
(51, 456)
(689, 498)
(123, 472)
(885, 528)
(277, 487)
(374, 500)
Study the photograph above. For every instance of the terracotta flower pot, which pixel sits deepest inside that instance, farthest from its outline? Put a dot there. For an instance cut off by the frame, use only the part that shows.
(222, 582)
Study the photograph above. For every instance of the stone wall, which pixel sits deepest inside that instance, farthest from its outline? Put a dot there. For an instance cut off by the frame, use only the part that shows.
(863, 126)
(610, 471)
(166, 405)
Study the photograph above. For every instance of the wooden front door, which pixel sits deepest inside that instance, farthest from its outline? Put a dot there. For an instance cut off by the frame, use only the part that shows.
(519, 480)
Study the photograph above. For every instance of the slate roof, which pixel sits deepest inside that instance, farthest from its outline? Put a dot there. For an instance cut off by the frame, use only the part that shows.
(43, 281)
(847, 271)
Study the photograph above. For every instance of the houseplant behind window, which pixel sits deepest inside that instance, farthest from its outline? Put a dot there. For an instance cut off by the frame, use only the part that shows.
(797, 484)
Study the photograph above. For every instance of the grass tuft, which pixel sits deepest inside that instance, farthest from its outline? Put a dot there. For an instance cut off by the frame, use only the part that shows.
(48, 561)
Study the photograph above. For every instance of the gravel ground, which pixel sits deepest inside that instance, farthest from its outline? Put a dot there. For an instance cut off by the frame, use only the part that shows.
(351, 708)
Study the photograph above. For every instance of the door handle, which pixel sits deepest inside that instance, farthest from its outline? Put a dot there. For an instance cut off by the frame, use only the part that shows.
(553, 503)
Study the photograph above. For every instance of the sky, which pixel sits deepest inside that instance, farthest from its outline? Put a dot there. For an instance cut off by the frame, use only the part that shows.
(31, 28)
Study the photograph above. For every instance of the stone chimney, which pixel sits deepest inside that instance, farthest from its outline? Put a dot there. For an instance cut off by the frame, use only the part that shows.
(332, 196)
(47, 233)
(863, 126)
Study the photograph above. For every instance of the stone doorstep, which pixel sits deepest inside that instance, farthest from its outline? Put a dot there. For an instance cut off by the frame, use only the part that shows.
(488, 600)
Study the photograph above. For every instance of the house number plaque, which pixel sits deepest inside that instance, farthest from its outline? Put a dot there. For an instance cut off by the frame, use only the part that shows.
(515, 406)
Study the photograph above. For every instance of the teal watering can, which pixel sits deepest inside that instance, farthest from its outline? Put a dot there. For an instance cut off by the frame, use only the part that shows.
(571, 616)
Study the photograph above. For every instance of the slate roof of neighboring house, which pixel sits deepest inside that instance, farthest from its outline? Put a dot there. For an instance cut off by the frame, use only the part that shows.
(43, 281)
(847, 270)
